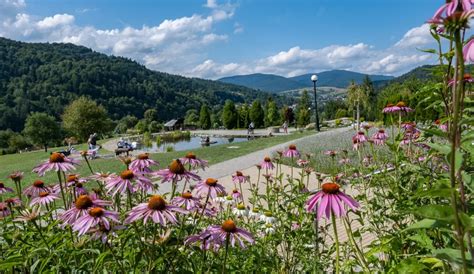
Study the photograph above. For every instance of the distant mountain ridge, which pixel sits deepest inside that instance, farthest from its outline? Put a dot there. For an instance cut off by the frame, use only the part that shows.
(276, 83)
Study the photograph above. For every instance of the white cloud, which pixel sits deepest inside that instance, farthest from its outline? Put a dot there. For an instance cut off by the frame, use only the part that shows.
(55, 21)
(415, 37)
(238, 28)
(211, 4)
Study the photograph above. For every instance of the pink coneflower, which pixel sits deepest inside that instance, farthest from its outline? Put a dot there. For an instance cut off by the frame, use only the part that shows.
(236, 194)
(218, 235)
(291, 152)
(390, 108)
(143, 163)
(125, 182)
(176, 172)
(302, 163)
(156, 209)
(410, 126)
(4, 189)
(331, 153)
(239, 177)
(330, 200)
(4, 210)
(100, 176)
(80, 189)
(103, 233)
(56, 162)
(403, 107)
(13, 202)
(35, 189)
(44, 199)
(442, 126)
(267, 163)
(468, 51)
(358, 140)
(210, 187)
(73, 179)
(367, 126)
(81, 206)
(344, 160)
(379, 137)
(16, 176)
(467, 79)
(193, 161)
(187, 201)
(95, 216)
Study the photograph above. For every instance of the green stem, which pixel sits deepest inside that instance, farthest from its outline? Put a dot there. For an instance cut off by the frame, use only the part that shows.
(226, 252)
(336, 239)
(62, 190)
(357, 250)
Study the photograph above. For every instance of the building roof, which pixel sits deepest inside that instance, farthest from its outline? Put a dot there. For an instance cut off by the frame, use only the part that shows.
(171, 123)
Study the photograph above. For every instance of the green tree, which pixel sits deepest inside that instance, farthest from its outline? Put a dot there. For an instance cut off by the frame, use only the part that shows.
(244, 116)
(141, 126)
(42, 130)
(370, 111)
(257, 115)
(302, 111)
(191, 117)
(150, 115)
(272, 117)
(229, 115)
(126, 123)
(84, 117)
(341, 113)
(356, 97)
(204, 117)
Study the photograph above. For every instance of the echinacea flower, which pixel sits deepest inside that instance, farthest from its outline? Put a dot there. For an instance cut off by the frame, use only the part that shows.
(268, 229)
(4, 189)
(466, 79)
(28, 215)
(358, 140)
(228, 231)
(390, 108)
(129, 181)
(56, 162)
(100, 176)
(13, 202)
(239, 177)
(267, 163)
(187, 201)
(240, 211)
(175, 173)
(291, 152)
(468, 51)
(403, 107)
(44, 199)
(330, 200)
(331, 153)
(209, 187)
(72, 179)
(4, 210)
(155, 209)
(35, 189)
(442, 126)
(379, 137)
(236, 194)
(95, 216)
(191, 159)
(302, 162)
(16, 176)
(103, 233)
(81, 206)
(143, 163)
(267, 217)
(255, 213)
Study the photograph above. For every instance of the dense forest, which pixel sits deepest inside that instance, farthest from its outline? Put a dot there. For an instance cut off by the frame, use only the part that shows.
(43, 77)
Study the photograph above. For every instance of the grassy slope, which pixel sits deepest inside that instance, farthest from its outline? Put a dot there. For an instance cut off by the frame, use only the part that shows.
(27, 161)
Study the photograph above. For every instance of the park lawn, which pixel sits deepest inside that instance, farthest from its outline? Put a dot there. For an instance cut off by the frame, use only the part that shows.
(25, 162)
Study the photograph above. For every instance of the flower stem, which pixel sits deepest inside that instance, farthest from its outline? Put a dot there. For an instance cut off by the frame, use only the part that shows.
(226, 252)
(336, 238)
(62, 190)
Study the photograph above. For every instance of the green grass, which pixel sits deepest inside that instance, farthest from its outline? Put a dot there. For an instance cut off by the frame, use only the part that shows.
(214, 154)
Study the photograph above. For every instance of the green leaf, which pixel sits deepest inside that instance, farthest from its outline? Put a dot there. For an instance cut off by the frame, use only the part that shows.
(452, 256)
(410, 265)
(444, 149)
(436, 212)
(425, 223)
(442, 188)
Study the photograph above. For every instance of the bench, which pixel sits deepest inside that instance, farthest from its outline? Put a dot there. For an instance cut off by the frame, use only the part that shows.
(123, 150)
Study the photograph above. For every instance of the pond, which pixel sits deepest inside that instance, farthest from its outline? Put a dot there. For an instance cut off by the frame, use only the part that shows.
(188, 144)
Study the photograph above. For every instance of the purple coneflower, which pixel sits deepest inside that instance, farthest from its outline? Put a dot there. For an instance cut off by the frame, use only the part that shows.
(193, 161)
(13, 202)
(156, 209)
(72, 179)
(442, 126)
(44, 199)
(379, 137)
(331, 153)
(291, 152)
(4, 189)
(239, 177)
(228, 231)
(209, 187)
(143, 163)
(95, 216)
(403, 107)
(56, 162)
(100, 176)
(236, 194)
(103, 233)
(176, 172)
(302, 163)
(81, 206)
(4, 210)
(124, 182)
(16, 176)
(390, 108)
(331, 201)
(187, 201)
(267, 163)
(358, 140)
(35, 189)
(468, 51)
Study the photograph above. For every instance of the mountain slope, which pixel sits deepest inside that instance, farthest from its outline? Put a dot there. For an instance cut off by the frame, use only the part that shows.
(337, 78)
(47, 77)
(265, 82)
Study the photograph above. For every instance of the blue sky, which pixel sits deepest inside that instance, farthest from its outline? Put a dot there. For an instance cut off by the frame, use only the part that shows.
(216, 38)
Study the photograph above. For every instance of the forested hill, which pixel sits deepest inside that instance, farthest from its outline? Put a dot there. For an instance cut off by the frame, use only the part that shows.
(46, 77)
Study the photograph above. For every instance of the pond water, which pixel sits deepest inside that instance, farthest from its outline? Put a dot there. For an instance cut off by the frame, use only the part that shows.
(189, 144)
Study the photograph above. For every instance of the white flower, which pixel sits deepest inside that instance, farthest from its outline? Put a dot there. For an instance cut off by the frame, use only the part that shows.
(240, 211)
(220, 199)
(254, 213)
(267, 217)
(229, 201)
(268, 229)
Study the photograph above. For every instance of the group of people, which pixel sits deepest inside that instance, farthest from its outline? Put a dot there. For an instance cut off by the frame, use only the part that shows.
(251, 128)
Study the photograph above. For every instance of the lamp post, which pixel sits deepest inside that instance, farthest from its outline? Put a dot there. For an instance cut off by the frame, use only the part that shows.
(314, 78)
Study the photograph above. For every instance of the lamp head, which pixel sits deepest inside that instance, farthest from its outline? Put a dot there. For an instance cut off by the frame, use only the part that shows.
(314, 78)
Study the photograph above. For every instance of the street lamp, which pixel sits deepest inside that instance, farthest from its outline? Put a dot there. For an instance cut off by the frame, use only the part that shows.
(314, 78)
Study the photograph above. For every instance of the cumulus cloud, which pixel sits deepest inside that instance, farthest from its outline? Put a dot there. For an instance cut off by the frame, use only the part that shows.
(416, 37)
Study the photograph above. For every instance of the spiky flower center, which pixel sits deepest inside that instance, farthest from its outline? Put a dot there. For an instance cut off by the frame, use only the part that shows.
(401, 104)
(330, 188)
(267, 159)
(240, 207)
(390, 105)
(38, 183)
(127, 175)
(126, 160)
(190, 155)
(255, 210)
(211, 182)
(292, 147)
(235, 191)
(2, 185)
(83, 202)
(176, 167)
(229, 226)
(381, 131)
(96, 212)
(56, 157)
(143, 156)
(72, 178)
(10, 201)
(79, 185)
(361, 133)
(43, 194)
(187, 195)
(239, 173)
(156, 202)
(268, 214)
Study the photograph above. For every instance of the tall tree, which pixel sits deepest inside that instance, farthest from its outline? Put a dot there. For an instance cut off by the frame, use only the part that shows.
(257, 114)
(42, 129)
(356, 97)
(84, 117)
(302, 111)
(191, 117)
(229, 115)
(288, 114)
(371, 109)
(244, 116)
(204, 117)
(272, 117)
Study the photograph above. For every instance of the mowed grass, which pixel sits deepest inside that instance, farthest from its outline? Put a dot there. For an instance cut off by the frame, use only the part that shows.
(25, 162)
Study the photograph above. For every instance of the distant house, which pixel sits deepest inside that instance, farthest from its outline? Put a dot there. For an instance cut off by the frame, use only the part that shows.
(174, 124)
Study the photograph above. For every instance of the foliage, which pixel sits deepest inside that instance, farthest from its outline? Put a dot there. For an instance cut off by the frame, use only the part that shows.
(191, 117)
(204, 117)
(272, 117)
(257, 115)
(84, 117)
(42, 130)
(126, 123)
(302, 110)
(229, 115)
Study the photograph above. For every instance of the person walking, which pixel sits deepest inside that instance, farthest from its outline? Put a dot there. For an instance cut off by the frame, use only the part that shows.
(285, 127)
